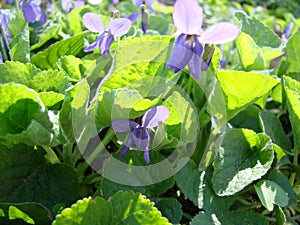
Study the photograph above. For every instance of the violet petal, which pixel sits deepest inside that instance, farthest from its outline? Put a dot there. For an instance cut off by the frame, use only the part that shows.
(181, 54)
(123, 125)
(155, 116)
(119, 26)
(93, 22)
(126, 146)
(94, 45)
(147, 156)
(105, 42)
(66, 5)
(133, 17)
(32, 12)
(137, 3)
(187, 16)
(78, 4)
(219, 33)
(4, 21)
(140, 138)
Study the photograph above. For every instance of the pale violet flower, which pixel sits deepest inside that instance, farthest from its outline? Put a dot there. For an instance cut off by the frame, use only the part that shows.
(188, 47)
(68, 5)
(139, 136)
(115, 28)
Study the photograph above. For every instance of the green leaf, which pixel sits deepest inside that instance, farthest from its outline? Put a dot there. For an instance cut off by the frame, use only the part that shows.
(197, 187)
(26, 177)
(270, 194)
(272, 127)
(17, 72)
(72, 66)
(29, 75)
(50, 80)
(261, 34)
(183, 113)
(74, 18)
(160, 24)
(277, 177)
(292, 90)
(50, 31)
(171, 209)
(19, 46)
(229, 217)
(73, 111)
(254, 57)
(48, 58)
(23, 116)
(28, 212)
(243, 157)
(122, 208)
(243, 88)
(51, 98)
(257, 44)
(292, 55)
(108, 188)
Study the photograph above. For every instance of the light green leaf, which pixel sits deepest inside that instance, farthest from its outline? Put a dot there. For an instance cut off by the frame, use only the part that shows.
(51, 98)
(30, 179)
(72, 115)
(261, 34)
(243, 157)
(272, 127)
(72, 66)
(197, 187)
(292, 55)
(23, 116)
(17, 72)
(270, 194)
(122, 208)
(50, 80)
(19, 46)
(48, 58)
(229, 217)
(33, 213)
(292, 90)
(243, 88)
(183, 112)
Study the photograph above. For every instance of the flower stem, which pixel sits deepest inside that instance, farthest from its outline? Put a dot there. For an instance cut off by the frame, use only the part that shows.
(51, 156)
(101, 146)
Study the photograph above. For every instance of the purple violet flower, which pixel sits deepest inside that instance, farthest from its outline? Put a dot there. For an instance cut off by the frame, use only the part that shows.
(115, 2)
(31, 10)
(187, 50)
(5, 36)
(115, 28)
(139, 136)
(68, 5)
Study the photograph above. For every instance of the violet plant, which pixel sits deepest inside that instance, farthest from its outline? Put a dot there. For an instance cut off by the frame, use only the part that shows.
(115, 28)
(188, 46)
(139, 136)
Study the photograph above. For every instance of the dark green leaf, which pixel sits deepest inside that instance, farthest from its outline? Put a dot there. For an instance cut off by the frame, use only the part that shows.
(26, 177)
(273, 128)
(243, 157)
(171, 209)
